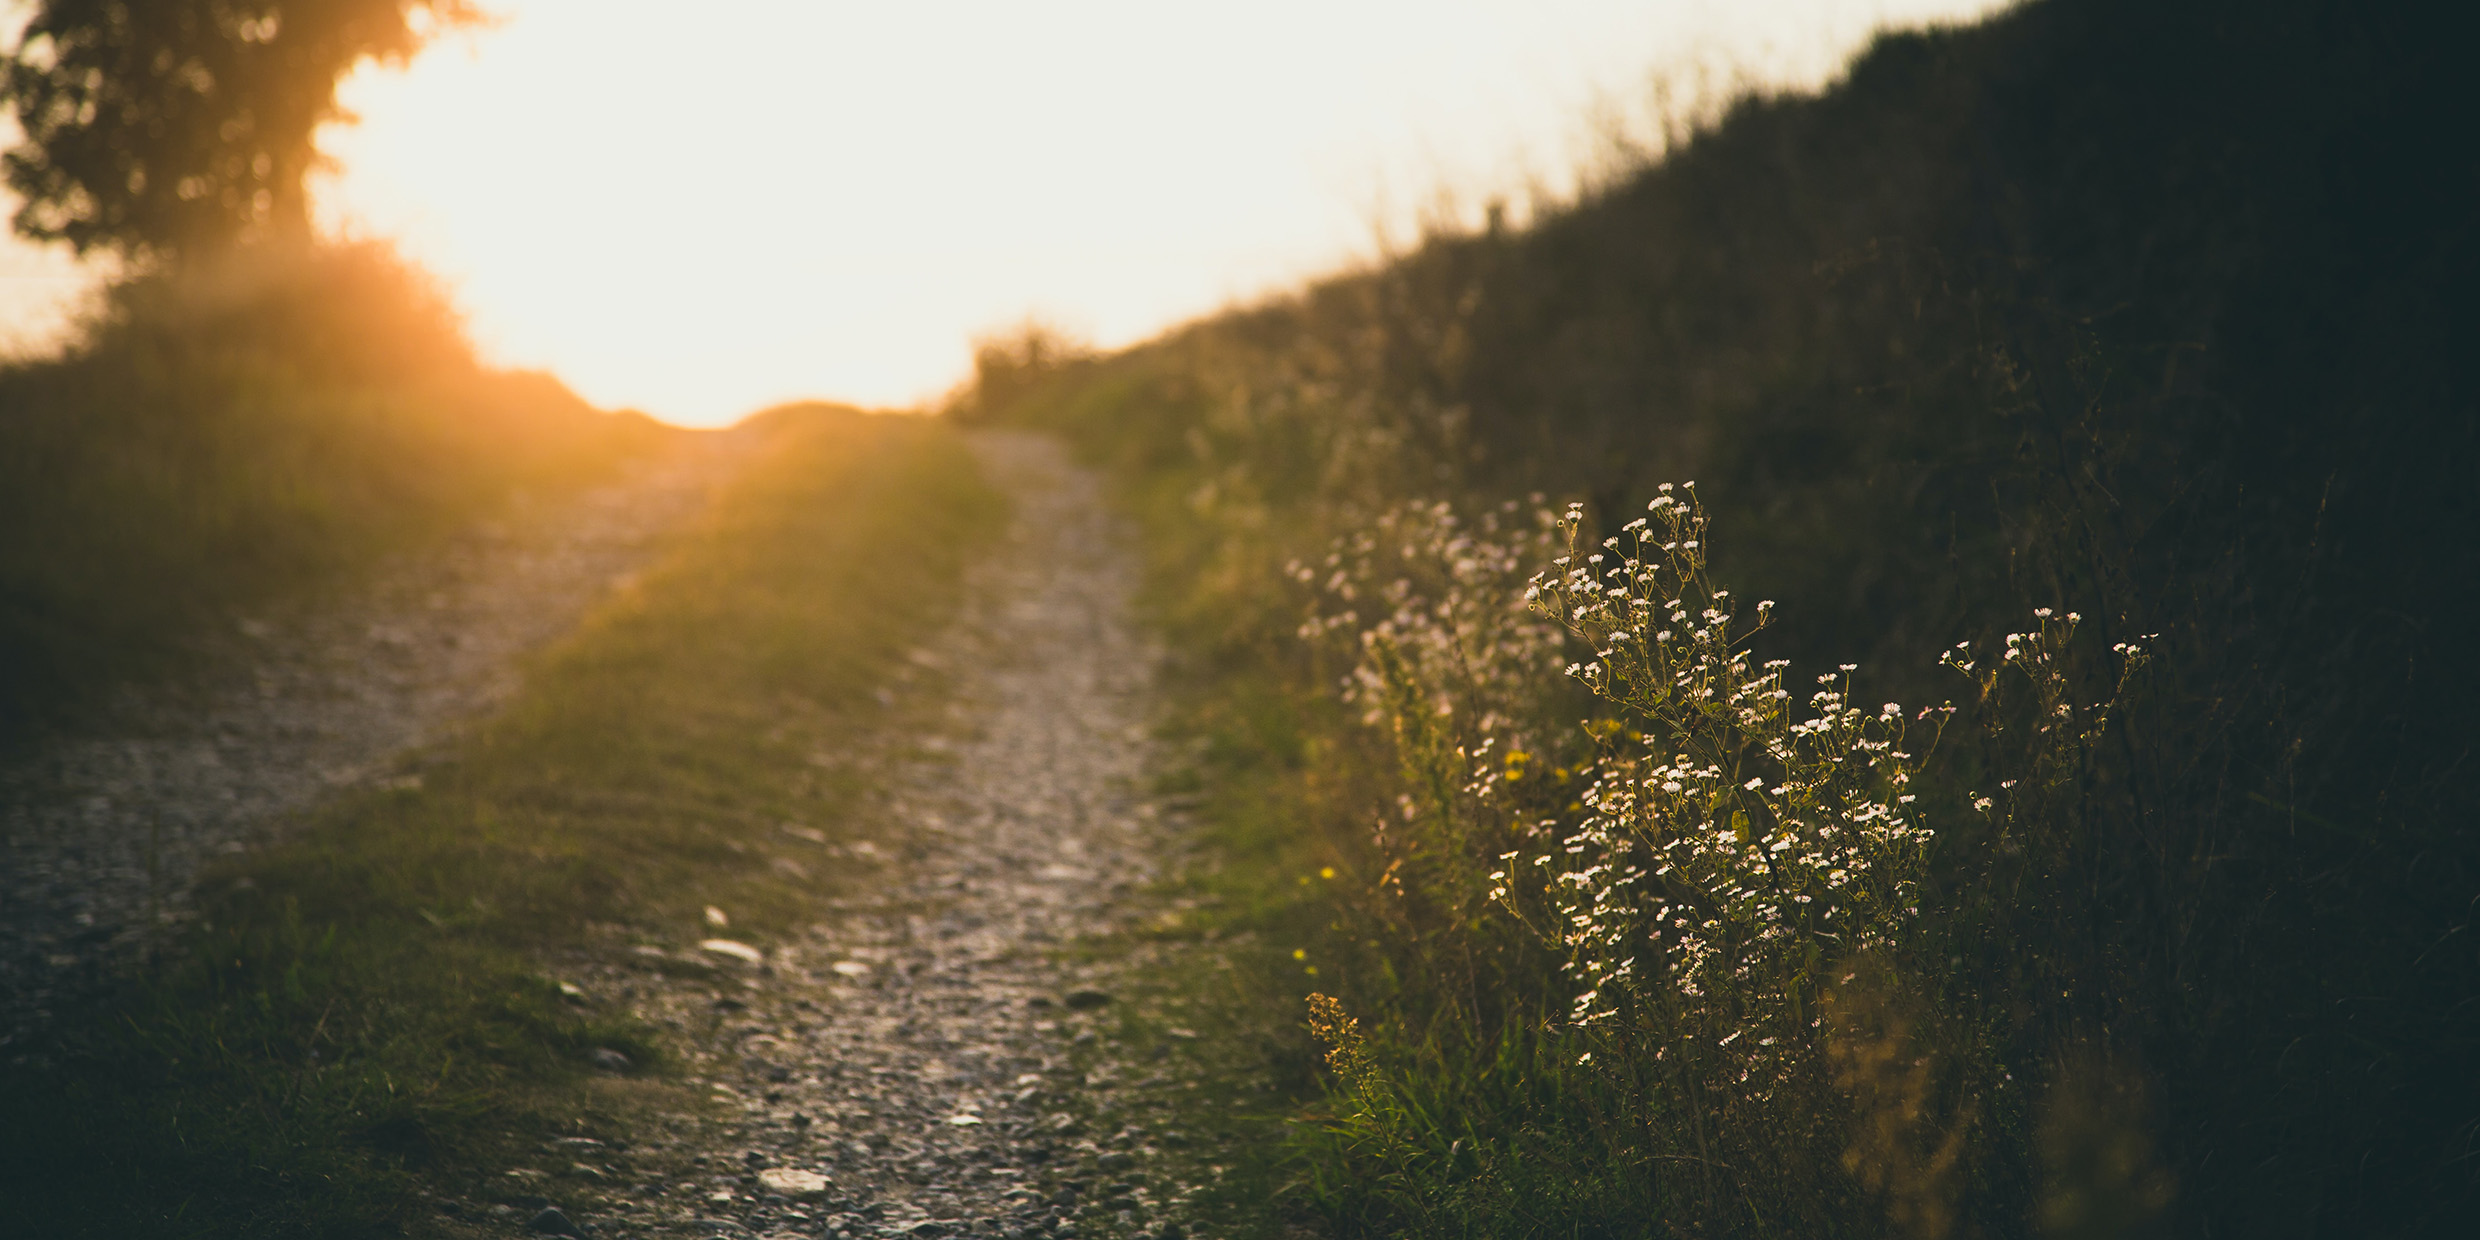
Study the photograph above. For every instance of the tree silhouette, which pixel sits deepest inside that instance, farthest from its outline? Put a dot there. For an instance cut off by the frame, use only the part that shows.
(173, 127)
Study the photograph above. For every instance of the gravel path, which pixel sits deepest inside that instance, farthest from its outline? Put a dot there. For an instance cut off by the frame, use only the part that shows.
(925, 1061)
(99, 837)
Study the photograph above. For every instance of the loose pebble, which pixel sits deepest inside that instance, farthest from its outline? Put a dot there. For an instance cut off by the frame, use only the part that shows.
(733, 949)
(794, 1182)
(551, 1222)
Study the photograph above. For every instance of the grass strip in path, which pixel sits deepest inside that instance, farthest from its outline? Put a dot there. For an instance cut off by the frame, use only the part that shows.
(367, 1006)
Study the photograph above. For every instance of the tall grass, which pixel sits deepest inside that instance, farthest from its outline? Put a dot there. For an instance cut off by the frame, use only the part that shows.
(2140, 315)
(237, 429)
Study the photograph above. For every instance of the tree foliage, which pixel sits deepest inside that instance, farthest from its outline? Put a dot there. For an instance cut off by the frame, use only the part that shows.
(172, 126)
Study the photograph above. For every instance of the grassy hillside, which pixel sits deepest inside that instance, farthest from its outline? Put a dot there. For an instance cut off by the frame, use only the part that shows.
(243, 429)
(2153, 314)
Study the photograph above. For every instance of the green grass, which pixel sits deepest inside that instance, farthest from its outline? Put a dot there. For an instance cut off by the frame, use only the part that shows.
(243, 431)
(371, 1004)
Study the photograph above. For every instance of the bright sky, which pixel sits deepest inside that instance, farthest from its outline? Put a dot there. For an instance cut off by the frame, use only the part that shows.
(701, 209)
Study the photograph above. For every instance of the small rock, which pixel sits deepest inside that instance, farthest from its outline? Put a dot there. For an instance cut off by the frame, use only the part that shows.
(715, 917)
(550, 1222)
(794, 1183)
(851, 968)
(608, 1059)
(733, 948)
(1085, 998)
(1115, 1161)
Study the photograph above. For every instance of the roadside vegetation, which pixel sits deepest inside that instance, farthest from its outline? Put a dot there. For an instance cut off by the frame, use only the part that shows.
(250, 413)
(377, 1003)
(2020, 789)
(230, 433)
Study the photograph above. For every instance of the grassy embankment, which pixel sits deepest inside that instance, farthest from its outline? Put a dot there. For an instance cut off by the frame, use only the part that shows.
(2155, 315)
(242, 430)
(368, 1003)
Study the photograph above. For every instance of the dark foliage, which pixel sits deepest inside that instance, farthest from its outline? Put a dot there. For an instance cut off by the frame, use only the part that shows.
(2156, 312)
(177, 125)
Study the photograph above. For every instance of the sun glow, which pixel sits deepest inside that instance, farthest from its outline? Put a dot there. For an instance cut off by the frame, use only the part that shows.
(701, 209)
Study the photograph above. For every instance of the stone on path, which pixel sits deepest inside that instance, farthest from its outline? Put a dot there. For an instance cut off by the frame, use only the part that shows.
(735, 949)
(550, 1222)
(794, 1182)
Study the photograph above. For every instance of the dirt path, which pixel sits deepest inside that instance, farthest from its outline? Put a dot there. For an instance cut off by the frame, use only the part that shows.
(923, 1063)
(99, 838)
